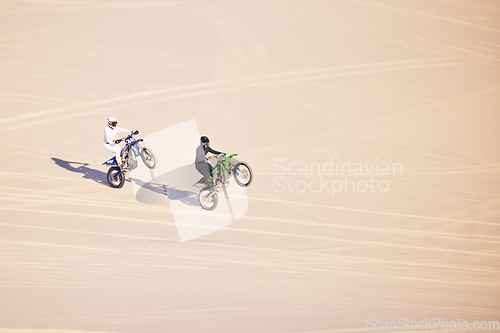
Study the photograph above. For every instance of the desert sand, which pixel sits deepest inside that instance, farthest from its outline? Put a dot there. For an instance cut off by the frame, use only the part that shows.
(404, 93)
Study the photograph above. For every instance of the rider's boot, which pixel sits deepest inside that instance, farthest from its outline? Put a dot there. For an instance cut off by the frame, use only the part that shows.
(208, 181)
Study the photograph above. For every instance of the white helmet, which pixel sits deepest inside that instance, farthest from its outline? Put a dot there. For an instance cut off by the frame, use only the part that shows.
(112, 121)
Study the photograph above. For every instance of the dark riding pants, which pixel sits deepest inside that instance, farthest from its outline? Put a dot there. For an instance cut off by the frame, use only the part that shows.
(205, 169)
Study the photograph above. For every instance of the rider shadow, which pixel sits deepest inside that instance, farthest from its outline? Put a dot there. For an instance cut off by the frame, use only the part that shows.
(156, 193)
(186, 197)
(88, 173)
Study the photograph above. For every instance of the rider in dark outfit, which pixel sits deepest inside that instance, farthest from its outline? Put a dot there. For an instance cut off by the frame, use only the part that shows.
(200, 162)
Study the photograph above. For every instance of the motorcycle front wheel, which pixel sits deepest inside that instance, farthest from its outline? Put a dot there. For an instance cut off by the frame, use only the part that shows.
(242, 174)
(148, 158)
(208, 198)
(116, 179)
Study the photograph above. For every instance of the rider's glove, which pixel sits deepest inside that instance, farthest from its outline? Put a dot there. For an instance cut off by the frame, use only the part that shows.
(118, 141)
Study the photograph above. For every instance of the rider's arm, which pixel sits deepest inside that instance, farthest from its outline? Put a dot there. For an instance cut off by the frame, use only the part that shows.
(210, 150)
(119, 129)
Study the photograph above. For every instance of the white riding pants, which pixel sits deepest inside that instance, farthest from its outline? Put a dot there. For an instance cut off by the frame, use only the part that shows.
(114, 148)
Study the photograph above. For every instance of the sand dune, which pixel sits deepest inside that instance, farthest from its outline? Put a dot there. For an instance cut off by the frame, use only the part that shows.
(411, 83)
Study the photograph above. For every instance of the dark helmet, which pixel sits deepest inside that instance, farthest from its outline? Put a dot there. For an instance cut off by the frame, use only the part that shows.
(204, 141)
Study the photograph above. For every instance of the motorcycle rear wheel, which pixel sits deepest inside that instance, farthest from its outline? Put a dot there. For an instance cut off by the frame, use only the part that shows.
(115, 178)
(208, 198)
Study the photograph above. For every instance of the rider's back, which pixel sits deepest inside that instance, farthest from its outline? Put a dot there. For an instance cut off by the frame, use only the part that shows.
(200, 155)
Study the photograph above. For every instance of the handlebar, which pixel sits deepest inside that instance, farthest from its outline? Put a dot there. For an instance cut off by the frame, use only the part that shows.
(127, 137)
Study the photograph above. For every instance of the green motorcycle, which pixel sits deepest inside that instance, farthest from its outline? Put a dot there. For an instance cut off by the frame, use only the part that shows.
(226, 167)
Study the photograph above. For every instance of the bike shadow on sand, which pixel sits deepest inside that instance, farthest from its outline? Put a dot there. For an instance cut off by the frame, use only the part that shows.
(175, 185)
(155, 193)
(88, 173)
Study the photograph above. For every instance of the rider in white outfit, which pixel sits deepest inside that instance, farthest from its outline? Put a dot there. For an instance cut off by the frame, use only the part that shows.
(109, 138)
